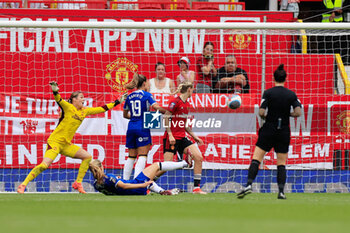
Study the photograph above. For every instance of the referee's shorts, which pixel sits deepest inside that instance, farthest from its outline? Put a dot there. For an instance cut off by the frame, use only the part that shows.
(271, 137)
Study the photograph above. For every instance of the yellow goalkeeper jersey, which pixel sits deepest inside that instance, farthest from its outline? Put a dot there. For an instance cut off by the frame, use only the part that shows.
(71, 118)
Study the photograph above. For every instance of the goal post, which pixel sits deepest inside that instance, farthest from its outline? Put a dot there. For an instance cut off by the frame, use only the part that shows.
(98, 57)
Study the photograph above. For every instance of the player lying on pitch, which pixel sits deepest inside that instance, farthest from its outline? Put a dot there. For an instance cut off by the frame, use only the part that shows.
(110, 184)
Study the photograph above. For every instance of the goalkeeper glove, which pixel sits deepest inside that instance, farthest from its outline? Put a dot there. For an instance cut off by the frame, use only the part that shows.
(54, 87)
(121, 99)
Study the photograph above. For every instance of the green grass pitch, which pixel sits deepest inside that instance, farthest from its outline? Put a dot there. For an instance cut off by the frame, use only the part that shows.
(212, 213)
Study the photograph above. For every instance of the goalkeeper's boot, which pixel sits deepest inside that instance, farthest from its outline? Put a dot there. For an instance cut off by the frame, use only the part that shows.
(247, 190)
(78, 187)
(188, 159)
(281, 196)
(198, 190)
(21, 188)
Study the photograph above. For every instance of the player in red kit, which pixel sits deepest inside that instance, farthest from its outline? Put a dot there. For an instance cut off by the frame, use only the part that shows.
(175, 139)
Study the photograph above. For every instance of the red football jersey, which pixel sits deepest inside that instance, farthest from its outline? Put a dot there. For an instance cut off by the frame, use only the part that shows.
(179, 110)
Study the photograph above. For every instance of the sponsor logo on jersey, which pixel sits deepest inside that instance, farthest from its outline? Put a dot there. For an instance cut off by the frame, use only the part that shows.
(75, 116)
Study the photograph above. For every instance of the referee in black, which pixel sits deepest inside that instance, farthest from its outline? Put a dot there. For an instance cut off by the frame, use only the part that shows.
(275, 132)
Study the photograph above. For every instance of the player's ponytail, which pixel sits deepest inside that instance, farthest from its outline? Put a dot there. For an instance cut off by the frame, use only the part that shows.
(183, 87)
(95, 167)
(142, 79)
(280, 74)
(137, 81)
(73, 95)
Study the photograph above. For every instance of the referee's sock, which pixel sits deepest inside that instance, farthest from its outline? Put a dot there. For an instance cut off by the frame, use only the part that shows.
(281, 177)
(253, 171)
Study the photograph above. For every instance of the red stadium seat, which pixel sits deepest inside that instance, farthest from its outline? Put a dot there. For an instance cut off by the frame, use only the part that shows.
(205, 6)
(176, 5)
(96, 4)
(147, 4)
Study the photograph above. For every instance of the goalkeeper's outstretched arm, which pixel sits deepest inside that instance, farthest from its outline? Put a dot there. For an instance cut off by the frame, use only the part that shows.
(104, 108)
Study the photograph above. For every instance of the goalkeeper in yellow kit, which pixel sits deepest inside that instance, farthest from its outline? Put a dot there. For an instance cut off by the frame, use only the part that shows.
(72, 115)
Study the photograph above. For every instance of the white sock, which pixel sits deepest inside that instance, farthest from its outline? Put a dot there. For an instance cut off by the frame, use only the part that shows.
(169, 166)
(128, 166)
(140, 165)
(155, 188)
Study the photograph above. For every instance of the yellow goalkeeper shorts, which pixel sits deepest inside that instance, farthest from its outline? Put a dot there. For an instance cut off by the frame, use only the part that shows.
(54, 148)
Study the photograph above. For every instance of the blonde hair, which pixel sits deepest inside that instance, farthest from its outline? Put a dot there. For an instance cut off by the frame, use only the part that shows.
(95, 167)
(137, 81)
(183, 87)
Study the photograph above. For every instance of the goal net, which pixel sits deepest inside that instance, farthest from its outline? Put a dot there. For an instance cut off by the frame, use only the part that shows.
(98, 58)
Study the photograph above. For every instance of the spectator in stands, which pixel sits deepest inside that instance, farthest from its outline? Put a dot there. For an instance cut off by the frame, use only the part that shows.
(333, 11)
(161, 84)
(231, 79)
(206, 71)
(290, 5)
(185, 75)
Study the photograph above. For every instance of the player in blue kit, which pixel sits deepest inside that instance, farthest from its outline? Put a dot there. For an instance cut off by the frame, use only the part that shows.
(138, 139)
(110, 184)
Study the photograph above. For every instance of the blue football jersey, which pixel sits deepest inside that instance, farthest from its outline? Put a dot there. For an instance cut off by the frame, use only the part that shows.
(108, 187)
(137, 103)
